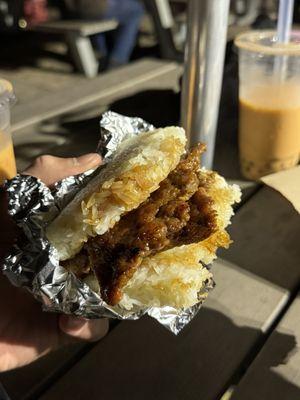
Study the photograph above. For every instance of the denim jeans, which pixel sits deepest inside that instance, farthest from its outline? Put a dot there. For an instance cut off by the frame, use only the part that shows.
(128, 13)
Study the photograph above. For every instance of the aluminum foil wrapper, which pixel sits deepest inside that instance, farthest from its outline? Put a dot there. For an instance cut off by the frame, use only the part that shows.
(32, 262)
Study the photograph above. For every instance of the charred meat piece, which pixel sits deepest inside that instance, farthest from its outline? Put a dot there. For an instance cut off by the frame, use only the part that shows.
(179, 212)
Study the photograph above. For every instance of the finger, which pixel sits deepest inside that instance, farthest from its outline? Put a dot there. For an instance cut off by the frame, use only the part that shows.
(51, 169)
(80, 328)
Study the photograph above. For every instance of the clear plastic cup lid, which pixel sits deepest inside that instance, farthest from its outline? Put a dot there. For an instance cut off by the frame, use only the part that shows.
(7, 95)
(266, 42)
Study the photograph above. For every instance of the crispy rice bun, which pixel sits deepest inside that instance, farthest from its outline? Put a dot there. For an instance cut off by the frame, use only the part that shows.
(177, 277)
(141, 163)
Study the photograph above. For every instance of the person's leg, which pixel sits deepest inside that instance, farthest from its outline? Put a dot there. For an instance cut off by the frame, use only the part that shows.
(91, 10)
(128, 13)
(99, 42)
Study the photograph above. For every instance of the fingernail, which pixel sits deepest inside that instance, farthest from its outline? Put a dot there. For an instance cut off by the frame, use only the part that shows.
(92, 158)
(73, 323)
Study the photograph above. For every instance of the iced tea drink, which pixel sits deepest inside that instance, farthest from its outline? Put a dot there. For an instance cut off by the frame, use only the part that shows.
(269, 103)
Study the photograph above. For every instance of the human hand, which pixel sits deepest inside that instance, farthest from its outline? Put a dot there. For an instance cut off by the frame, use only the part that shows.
(26, 332)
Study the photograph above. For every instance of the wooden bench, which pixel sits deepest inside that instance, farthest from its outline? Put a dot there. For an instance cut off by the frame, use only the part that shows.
(77, 33)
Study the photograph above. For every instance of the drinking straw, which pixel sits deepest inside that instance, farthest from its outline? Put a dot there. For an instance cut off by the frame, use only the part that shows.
(285, 19)
(284, 25)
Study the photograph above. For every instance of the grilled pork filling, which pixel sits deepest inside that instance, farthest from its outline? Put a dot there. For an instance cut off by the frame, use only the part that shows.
(179, 212)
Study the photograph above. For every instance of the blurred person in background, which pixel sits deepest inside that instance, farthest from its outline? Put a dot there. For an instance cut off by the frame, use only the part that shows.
(128, 13)
(35, 11)
(22, 13)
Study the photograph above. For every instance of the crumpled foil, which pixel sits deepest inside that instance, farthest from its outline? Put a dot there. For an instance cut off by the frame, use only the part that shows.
(32, 262)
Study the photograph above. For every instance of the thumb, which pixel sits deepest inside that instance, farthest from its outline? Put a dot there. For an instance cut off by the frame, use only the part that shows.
(52, 169)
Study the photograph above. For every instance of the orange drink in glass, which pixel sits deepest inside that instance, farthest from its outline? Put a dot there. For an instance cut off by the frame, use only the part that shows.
(7, 158)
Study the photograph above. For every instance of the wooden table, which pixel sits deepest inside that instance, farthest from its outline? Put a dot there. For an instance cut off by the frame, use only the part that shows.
(244, 340)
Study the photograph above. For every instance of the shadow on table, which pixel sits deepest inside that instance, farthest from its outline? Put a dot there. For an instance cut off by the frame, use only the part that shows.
(26, 48)
(160, 107)
(264, 382)
(20, 382)
(265, 236)
(208, 356)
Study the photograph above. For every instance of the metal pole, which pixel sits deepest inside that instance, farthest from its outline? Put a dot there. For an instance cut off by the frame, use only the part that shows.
(202, 81)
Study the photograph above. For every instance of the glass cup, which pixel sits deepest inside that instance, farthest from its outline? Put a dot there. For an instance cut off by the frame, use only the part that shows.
(7, 158)
(269, 102)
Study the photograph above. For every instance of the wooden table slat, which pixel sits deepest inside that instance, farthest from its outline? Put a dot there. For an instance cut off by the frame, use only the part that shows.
(85, 28)
(275, 373)
(266, 235)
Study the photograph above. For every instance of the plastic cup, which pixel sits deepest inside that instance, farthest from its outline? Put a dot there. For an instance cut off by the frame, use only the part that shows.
(269, 102)
(7, 158)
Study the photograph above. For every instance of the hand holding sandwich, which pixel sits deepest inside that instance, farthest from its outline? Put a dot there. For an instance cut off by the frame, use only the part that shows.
(26, 332)
(140, 234)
